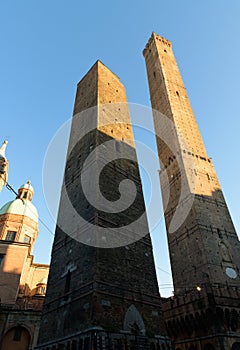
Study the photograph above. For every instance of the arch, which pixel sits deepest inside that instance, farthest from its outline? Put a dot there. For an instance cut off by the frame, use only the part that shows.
(236, 346)
(16, 338)
(208, 346)
(183, 324)
(210, 317)
(188, 324)
(227, 317)
(133, 321)
(220, 313)
(234, 320)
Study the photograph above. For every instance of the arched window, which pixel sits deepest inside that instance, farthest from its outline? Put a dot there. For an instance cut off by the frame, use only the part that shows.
(234, 320)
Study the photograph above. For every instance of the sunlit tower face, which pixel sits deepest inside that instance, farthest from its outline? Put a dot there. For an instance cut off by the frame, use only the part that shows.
(202, 240)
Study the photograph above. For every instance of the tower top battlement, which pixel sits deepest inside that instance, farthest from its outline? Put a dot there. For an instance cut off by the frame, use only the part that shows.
(153, 37)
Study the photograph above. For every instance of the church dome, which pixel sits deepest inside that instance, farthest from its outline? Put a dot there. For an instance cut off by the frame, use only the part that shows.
(22, 205)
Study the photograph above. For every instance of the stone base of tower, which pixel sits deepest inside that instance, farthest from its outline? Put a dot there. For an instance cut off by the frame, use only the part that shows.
(98, 339)
(208, 319)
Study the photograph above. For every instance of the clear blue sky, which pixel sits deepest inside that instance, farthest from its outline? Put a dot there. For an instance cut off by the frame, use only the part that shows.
(47, 46)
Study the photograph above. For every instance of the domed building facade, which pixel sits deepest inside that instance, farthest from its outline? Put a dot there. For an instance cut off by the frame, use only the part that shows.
(22, 281)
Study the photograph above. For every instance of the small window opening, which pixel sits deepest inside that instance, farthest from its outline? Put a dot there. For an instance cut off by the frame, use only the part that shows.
(11, 235)
(177, 93)
(42, 290)
(2, 256)
(17, 333)
(154, 74)
(219, 233)
(67, 282)
(27, 239)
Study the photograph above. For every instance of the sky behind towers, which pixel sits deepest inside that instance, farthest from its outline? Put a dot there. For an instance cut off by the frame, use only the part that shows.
(46, 48)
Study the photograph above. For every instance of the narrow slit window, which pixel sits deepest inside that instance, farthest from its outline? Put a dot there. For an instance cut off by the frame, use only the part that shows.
(68, 282)
(2, 256)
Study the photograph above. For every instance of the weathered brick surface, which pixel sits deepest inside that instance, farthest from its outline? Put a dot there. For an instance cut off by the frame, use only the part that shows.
(205, 244)
(105, 282)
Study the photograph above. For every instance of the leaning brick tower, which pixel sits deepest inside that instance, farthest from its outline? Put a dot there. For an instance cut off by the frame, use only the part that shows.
(203, 244)
(102, 289)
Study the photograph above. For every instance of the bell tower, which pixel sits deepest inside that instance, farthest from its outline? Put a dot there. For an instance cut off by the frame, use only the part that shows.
(203, 244)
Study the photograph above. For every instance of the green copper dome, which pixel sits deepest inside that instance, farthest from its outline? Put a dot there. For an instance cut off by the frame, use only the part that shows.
(20, 207)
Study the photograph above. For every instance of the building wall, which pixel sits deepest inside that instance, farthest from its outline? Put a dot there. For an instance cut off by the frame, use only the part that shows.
(20, 301)
(11, 270)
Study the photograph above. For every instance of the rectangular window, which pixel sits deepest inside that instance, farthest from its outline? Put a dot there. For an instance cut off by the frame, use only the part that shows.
(1, 259)
(10, 236)
(27, 239)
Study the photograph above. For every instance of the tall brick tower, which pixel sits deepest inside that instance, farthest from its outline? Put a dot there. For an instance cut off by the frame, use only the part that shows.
(203, 244)
(103, 294)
